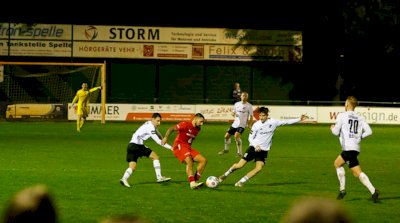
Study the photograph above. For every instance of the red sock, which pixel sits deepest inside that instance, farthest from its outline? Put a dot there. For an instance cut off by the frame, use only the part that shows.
(191, 178)
(197, 176)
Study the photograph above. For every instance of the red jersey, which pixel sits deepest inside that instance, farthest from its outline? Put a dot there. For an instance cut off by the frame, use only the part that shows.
(187, 133)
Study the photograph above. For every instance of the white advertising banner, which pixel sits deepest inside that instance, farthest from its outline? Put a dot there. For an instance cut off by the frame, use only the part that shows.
(132, 50)
(290, 112)
(35, 48)
(18, 31)
(138, 112)
(186, 35)
(223, 113)
(244, 52)
(373, 115)
(107, 50)
(99, 41)
(18, 39)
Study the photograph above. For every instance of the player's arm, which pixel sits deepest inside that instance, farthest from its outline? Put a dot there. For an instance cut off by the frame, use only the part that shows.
(156, 136)
(167, 133)
(233, 113)
(251, 117)
(252, 136)
(74, 100)
(291, 121)
(95, 89)
(335, 128)
(367, 131)
(251, 121)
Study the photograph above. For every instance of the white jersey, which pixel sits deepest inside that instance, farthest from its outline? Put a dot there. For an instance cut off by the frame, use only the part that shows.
(351, 128)
(242, 111)
(261, 133)
(145, 131)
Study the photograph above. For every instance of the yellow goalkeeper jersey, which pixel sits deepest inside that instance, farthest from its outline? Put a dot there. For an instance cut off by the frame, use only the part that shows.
(82, 98)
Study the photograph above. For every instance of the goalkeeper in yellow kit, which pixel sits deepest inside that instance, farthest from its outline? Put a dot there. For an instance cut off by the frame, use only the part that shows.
(82, 98)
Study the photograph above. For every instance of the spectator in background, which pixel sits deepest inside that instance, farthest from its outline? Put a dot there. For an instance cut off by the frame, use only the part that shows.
(318, 210)
(32, 204)
(236, 92)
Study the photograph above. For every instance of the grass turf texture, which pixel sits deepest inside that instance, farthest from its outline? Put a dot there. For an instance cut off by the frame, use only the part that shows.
(83, 170)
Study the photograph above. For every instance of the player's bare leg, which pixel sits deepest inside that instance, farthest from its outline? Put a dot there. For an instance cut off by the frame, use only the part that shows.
(341, 174)
(189, 171)
(239, 144)
(252, 173)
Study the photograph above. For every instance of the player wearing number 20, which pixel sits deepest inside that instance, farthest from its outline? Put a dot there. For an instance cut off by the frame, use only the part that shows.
(351, 129)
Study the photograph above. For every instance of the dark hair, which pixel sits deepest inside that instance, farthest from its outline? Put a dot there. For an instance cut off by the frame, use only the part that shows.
(264, 110)
(199, 115)
(156, 115)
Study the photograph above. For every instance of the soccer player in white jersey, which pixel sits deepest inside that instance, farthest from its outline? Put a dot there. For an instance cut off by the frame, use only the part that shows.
(243, 113)
(260, 140)
(137, 149)
(351, 129)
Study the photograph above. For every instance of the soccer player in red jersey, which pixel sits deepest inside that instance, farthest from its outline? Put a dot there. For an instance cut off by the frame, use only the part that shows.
(182, 148)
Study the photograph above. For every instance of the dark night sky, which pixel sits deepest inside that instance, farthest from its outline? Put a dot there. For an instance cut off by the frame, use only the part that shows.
(253, 14)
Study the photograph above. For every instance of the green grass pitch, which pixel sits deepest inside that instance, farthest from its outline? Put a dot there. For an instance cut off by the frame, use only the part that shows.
(83, 170)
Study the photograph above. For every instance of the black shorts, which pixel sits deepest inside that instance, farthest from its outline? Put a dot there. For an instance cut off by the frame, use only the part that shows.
(134, 151)
(251, 154)
(232, 130)
(350, 157)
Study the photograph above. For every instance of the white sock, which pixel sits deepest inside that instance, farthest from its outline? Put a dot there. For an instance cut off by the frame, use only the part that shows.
(157, 168)
(239, 145)
(365, 180)
(227, 143)
(342, 177)
(127, 174)
(228, 172)
(244, 179)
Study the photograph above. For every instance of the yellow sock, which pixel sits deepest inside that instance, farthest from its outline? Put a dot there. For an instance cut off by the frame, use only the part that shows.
(78, 125)
(82, 122)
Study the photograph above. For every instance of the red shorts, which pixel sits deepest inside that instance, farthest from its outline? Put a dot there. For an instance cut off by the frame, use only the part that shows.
(181, 151)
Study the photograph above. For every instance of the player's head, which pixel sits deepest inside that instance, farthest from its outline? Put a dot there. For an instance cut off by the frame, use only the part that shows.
(263, 113)
(236, 85)
(84, 86)
(351, 103)
(244, 96)
(198, 120)
(156, 119)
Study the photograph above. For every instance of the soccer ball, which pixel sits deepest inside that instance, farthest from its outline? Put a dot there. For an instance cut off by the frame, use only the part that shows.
(212, 181)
